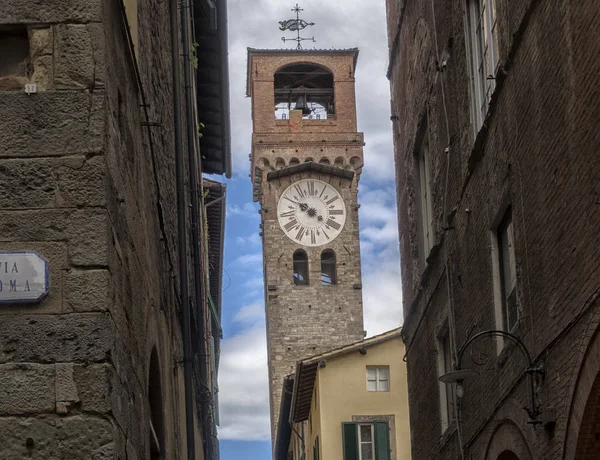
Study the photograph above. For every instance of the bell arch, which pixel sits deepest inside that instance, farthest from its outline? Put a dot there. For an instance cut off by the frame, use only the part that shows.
(307, 87)
(508, 443)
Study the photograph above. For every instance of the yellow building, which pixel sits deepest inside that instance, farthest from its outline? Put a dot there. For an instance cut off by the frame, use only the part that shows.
(350, 403)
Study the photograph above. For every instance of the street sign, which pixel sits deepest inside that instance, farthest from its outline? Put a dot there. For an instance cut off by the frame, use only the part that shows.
(24, 277)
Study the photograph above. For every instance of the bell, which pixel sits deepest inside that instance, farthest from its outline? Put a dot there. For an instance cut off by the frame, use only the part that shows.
(302, 105)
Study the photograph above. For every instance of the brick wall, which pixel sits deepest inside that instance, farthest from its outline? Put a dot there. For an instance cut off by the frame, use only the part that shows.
(536, 154)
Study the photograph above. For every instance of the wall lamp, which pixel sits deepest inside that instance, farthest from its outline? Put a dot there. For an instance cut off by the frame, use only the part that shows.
(459, 375)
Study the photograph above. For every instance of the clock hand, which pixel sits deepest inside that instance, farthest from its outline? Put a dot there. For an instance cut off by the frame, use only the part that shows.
(303, 206)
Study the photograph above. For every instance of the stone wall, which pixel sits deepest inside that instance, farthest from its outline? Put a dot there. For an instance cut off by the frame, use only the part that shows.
(537, 155)
(81, 183)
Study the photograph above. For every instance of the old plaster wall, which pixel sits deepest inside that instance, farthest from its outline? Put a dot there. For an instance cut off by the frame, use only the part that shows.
(537, 154)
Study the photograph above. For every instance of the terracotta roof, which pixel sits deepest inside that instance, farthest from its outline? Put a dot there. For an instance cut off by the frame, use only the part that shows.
(306, 371)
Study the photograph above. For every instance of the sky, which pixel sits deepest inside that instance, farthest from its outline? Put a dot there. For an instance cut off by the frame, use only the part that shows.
(244, 430)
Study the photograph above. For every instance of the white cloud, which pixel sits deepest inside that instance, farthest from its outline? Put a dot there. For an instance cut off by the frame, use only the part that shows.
(249, 240)
(382, 298)
(249, 259)
(249, 211)
(252, 313)
(244, 387)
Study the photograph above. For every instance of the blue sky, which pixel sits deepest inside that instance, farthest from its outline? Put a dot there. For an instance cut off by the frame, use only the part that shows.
(244, 410)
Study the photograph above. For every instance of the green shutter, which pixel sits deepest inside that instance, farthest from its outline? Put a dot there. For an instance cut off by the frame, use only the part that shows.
(317, 449)
(350, 440)
(382, 441)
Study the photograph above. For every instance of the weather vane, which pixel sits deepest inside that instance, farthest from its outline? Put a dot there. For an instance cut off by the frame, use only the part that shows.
(296, 25)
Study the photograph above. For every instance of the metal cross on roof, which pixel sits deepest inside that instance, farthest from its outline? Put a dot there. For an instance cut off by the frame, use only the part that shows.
(296, 25)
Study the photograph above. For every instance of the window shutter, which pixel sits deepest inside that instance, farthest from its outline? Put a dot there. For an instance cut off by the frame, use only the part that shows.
(350, 440)
(317, 456)
(382, 441)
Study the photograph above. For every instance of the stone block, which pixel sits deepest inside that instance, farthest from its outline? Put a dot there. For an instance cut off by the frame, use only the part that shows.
(26, 184)
(80, 181)
(40, 41)
(94, 387)
(74, 60)
(78, 437)
(43, 75)
(51, 123)
(26, 389)
(76, 337)
(88, 237)
(50, 11)
(56, 255)
(66, 390)
(39, 225)
(87, 290)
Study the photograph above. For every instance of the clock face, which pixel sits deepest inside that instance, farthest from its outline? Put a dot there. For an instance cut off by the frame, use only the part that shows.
(311, 212)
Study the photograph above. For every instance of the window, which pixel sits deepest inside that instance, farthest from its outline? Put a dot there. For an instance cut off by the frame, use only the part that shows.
(424, 202)
(483, 50)
(447, 396)
(366, 441)
(378, 378)
(300, 267)
(328, 270)
(505, 276)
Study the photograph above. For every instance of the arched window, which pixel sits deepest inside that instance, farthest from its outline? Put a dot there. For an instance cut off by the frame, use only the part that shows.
(157, 443)
(300, 267)
(307, 87)
(508, 455)
(328, 268)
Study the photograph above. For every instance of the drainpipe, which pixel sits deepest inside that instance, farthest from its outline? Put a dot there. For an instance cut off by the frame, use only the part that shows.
(182, 233)
(195, 189)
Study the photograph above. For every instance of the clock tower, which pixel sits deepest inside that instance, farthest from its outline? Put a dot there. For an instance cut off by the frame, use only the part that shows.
(306, 161)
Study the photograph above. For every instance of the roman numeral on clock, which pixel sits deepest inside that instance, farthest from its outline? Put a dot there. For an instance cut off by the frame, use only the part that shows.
(313, 239)
(311, 188)
(291, 224)
(336, 212)
(333, 224)
(300, 234)
(290, 214)
(299, 190)
(332, 200)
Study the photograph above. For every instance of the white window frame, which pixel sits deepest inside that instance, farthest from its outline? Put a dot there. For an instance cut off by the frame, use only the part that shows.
(379, 371)
(425, 202)
(504, 275)
(360, 441)
(446, 390)
(482, 46)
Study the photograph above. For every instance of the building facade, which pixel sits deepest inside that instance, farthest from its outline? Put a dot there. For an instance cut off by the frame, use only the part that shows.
(119, 360)
(349, 403)
(306, 162)
(495, 106)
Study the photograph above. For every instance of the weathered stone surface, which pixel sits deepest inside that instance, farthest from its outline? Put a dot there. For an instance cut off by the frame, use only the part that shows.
(80, 181)
(51, 123)
(75, 337)
(26, 184)
(74, 63)
(40, 41)
(87, 290)
(66, 390)
(94, 387)
(39, 225)
(26, 389)
(50, 11)
(73, 438)
(56, 255)
(88, 235)
(43, 73)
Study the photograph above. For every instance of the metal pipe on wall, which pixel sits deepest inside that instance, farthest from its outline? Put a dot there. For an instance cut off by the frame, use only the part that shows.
(182, 233)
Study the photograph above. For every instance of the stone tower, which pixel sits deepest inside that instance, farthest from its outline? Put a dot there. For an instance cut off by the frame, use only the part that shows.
(306, 161)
